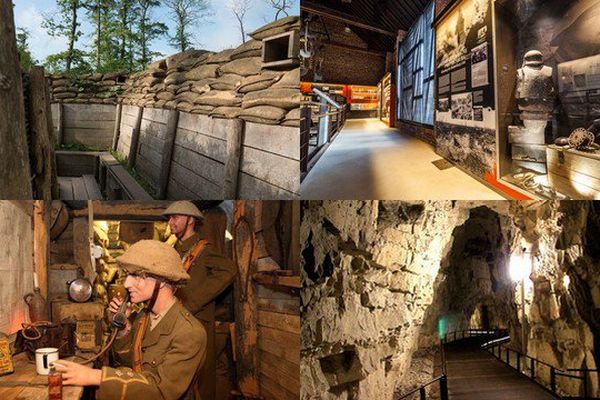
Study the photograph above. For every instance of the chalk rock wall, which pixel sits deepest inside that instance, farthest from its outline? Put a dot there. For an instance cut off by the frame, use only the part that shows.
(87, 89)
(380, 277)
(229, 84)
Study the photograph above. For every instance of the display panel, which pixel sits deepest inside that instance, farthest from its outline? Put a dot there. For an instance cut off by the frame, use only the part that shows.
(465, 110)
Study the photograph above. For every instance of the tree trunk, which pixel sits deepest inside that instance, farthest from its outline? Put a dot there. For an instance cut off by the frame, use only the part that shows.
(98, 34)
(74, 7)
(14, 154)
(143, 37)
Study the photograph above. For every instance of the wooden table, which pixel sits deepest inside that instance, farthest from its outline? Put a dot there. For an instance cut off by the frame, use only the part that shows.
(25, 383)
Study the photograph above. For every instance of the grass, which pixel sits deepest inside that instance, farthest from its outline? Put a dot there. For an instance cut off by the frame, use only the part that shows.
(74, 147)
(139, 179)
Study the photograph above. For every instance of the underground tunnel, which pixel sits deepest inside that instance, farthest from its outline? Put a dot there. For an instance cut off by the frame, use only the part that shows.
(450, 299)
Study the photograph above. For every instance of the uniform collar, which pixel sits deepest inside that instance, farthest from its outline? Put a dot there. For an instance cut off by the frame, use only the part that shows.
(187, 244)
(164, 327)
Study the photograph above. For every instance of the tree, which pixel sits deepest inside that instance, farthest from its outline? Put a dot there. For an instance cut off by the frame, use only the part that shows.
(186, 14)
(148, 30)
(240, 8)
(65, 23)
(27, 60)
(100, 13)
(281, 7)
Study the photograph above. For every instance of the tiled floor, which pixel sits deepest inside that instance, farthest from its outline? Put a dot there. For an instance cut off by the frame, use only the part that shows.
(368, 160)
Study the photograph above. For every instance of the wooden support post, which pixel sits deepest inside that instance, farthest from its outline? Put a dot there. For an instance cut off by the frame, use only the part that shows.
(135, 138)
(117, 130)
(81, 246)
(165, 162)
(14, 155)
(235, 142)
(245, 254)
(41, 145)
(40, 246)
(60, 127)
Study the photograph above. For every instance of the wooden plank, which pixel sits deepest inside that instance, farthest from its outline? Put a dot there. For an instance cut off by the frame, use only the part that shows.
(79, 191)
(274, 370)
(15, 171)
(201, 124)
(158, 115)
(153, 128)
(66, 188)
(117, 126)
(138, 211)
(208, 168)
(272, 390)
(276, 170)
(281, 369)
(281, 306)
(89, 109)
(252, 188)
(150, 153)
(178, 191)
(286, 351)
(133, 190)
(276, 139)
(76, 163)
(285, 322)
(92, 187)
(92, 137)
(232, 163)
(209, 146)
(91, 124)
(128, 120)
(147, 170)
(60, 122)
(203, 188)
(273, 279)
(572, 189)
(276, 292)
(167, 154)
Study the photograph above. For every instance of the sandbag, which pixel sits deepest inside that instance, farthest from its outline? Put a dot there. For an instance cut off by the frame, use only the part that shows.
(276, 27)
(225, 112)
(258, 82)
(289, 80)
(220, 58)
(242, 66)
(188, 97)
(200, 89)
(157, 65)
(166, 96)
(282, 98)
(263, 114)
(202, 72)
(185, 106)
(226, 82)
(219, 98)
(292, 118)
(201, 109)
(175, 78)
(178, 58)
(252, 48)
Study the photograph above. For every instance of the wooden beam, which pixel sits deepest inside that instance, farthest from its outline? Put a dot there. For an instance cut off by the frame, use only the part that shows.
(275, 279)
(117, 130)
(132, 211)
(332, 43)
(40, 246)
(244, 244)
(167, 154)
(313, 8)
(135, 137)
(235, 142)
(14, 154)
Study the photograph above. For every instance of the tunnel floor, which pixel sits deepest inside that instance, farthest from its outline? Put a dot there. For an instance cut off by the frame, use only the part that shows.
(368, 160)
(474, 374)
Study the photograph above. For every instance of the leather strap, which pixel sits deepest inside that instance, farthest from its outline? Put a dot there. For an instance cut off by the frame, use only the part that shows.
(193, 255)
(141, 331)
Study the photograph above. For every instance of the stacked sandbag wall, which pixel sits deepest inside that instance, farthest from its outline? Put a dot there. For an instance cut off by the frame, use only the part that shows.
(230, 112)
(83, 108)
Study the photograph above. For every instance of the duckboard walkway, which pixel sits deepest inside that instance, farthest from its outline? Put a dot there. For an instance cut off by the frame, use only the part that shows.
(474, 374)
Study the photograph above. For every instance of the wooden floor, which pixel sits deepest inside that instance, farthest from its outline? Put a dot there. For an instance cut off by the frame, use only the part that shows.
(474, 374)
(79, 188)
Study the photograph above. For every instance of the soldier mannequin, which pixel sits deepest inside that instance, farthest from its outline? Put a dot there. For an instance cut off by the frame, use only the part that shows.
(211, 273)
(161, 362)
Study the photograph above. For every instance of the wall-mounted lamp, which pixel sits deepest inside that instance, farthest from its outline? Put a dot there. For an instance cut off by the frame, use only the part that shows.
(520, 268)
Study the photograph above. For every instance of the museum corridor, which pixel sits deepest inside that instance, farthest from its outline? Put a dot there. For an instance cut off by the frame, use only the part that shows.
(368, 160)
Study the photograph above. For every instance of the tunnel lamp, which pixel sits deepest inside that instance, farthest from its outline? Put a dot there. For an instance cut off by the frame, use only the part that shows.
(566, 281)
(520, 266)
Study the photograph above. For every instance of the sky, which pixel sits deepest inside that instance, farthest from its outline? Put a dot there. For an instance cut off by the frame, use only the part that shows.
(219, 33)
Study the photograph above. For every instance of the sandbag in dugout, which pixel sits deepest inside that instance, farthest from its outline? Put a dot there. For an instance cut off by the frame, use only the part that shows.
(282, 98)
(292, 118)
(252, 48)
(242, 66)
(220, 58)
(276, 27)
(225, 112)
(226, 82)
(202, 72)
(263, 114)
(289, 80)
(262, 81)
(219, 98)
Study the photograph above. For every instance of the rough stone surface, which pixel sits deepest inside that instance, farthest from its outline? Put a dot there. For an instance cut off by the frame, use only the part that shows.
(379, 276)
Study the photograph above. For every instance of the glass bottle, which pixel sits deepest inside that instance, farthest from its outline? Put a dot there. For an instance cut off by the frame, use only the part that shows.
(54, 384)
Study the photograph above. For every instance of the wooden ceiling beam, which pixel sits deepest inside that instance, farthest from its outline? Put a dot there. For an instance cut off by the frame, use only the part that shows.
(312, 8)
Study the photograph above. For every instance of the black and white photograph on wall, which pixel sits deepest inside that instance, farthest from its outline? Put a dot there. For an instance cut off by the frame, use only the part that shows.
(479, 66)
(444, 104)
(462, 106)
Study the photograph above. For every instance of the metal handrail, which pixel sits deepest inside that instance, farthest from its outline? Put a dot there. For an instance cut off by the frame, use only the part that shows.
(421, 389)
(554, 371)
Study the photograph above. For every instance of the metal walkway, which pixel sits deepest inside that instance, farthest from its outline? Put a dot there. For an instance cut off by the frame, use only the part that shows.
(475, 374)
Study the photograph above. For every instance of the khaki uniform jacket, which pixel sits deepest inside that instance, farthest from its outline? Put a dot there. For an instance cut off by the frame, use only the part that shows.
(171, 354)
(211, 273)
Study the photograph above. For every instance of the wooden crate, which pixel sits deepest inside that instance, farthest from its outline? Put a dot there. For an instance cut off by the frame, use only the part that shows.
(573, 172)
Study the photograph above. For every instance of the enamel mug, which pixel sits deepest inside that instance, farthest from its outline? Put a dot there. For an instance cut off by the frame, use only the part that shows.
(43, 358)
